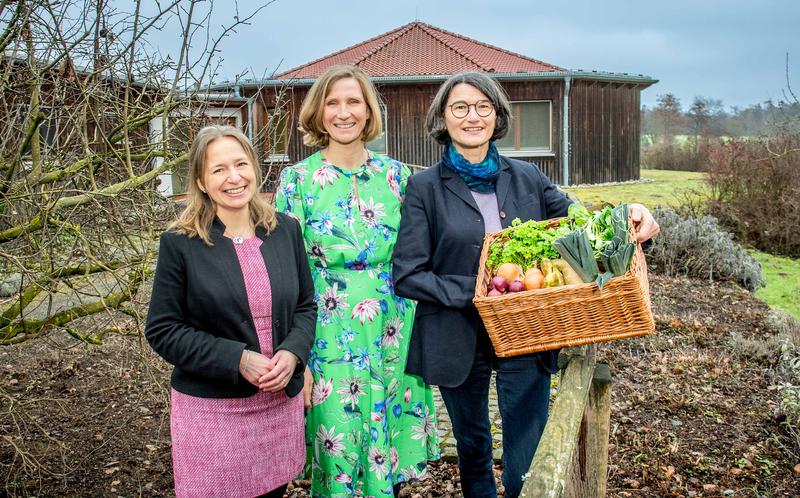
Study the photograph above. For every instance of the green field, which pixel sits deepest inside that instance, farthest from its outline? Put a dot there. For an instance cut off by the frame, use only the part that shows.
(656, 188)
(674, 188)
(783, 282)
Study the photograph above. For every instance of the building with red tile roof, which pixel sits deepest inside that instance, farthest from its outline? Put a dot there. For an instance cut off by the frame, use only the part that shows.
(577, 126)
(421, 49)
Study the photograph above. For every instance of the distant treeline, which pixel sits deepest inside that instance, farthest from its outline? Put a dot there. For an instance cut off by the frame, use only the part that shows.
(708, 118)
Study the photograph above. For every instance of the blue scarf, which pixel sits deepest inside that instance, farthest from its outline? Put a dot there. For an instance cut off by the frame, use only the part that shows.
(479, 177)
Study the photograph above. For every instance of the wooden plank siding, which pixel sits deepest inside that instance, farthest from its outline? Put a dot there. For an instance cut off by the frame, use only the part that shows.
(604, 132)
(604, 126)
(406, 108)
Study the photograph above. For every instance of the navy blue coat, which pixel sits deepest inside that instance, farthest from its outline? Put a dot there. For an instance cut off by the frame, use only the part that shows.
(436, 261)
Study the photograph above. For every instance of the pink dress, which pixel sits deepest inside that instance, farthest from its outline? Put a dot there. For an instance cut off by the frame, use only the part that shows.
(239, 447)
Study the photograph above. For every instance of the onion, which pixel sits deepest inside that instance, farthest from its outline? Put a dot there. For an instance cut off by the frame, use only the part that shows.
(516, 286)
(534, 279)
(494, 292)
(508, 271)
(499, 283)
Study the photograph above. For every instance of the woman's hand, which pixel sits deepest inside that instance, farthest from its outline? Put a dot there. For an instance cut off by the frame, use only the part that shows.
(308, 386)
(253, 366)
(280, 370)
(643, 222)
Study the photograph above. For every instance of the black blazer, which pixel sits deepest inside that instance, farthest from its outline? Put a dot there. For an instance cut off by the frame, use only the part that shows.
(199, 318)
(436, 261)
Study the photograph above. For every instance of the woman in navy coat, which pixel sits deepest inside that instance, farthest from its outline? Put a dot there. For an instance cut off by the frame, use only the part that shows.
(448, 208)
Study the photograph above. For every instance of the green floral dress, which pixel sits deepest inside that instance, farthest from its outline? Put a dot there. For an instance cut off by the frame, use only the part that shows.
(370, 425)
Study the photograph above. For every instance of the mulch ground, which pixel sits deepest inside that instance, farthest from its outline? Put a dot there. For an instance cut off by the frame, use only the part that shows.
(695, 410)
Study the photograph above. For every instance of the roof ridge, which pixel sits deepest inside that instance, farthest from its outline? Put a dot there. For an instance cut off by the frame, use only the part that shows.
(428, 28)
(399, 32)
(490, 46)
(294, 69)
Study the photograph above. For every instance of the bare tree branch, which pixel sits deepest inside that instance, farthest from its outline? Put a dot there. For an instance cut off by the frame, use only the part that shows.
(13, 25)
(33, 129)
(37, 222)
(22, 330)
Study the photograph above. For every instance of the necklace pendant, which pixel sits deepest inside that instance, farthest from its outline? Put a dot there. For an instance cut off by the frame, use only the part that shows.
(238, 240)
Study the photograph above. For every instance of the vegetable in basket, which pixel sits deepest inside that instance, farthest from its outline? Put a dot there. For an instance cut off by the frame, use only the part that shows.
(528, 243)
(603, 236)
(618, 253)
(583, 239)
(571, 277)
(534, 279)
(576, 249)
(598, 226)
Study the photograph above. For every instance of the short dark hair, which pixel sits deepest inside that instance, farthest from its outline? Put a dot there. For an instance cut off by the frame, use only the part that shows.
(435, 123)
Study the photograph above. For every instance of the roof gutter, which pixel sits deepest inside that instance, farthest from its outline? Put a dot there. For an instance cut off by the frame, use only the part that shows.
(565, 133)
(220, 97)
(637, 79)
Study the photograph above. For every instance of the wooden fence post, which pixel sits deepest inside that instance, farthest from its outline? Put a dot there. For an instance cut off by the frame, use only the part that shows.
(589, 467)
(551, 464)
(600, 398)
(572, 457)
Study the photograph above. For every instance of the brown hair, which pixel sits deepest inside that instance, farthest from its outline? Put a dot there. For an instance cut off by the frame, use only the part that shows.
(197, 217)
(312, 110)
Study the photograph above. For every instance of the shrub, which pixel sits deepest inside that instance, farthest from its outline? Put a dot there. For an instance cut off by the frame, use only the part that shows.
(761, 350)
(771, 348)
(790, 387)
(675, 156)
(784, 326)
(755, 191)
(780, 347)
(698, 247)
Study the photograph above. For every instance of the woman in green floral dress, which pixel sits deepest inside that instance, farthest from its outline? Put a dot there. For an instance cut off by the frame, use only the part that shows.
(370, 426)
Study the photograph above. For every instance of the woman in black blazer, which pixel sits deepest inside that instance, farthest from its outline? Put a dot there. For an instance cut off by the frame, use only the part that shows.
(448, 208)
(233, 310)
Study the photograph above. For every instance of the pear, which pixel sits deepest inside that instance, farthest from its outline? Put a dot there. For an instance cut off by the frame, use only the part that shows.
(554, 278)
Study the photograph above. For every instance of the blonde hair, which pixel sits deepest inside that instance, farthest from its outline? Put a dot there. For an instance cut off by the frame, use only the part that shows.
(200, 210)
(311, 112)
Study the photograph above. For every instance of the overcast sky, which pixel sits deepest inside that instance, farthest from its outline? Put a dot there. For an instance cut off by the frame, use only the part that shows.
(733, 50)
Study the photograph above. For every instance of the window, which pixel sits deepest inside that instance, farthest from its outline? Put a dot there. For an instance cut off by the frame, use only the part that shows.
(108, 123)
(530, 130)
(379, 145)
(48, 130)
(182, 130)
(180, 136)
(277, 136)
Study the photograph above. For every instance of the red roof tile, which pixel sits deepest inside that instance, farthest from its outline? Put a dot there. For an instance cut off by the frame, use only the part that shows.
(421, 49)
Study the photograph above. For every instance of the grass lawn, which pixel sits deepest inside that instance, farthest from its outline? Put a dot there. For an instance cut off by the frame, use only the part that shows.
(657, 187)
(673, 188)
(783, 282)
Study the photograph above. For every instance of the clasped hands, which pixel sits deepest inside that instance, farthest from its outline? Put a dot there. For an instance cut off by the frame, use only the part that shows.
(268, 374)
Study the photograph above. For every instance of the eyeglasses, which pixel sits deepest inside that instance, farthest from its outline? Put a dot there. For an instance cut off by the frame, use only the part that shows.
(482, 108)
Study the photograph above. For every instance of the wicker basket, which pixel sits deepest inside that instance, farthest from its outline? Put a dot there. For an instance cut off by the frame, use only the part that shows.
(570, 315)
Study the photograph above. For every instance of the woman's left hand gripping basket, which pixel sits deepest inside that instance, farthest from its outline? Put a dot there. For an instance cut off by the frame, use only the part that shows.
(563, 282)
